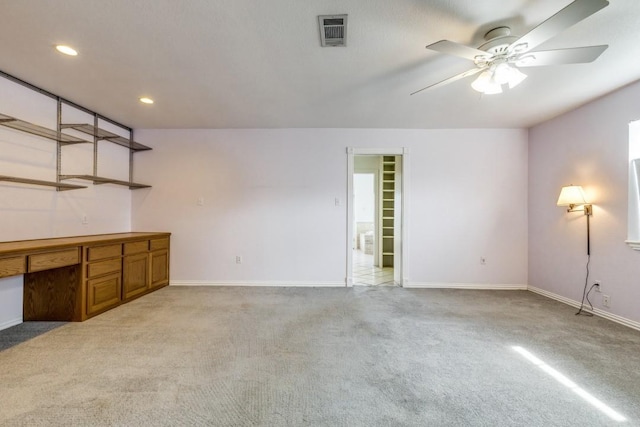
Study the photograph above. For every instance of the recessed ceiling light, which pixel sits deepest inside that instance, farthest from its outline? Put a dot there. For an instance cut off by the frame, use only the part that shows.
(146, 100)
(67, 50)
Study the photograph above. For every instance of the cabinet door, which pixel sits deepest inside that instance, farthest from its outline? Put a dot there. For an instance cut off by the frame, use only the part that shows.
(135, 275)
(159, 268)
(103, 293)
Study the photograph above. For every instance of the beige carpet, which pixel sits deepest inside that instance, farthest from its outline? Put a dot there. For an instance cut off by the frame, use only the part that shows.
(323, 357)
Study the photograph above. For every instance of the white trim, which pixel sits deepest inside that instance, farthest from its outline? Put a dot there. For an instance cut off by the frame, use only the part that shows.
(473, 286)
(272, 283)
(350, 171)
(601, 313)
(9, 323)
(386, 151)
(635, 245)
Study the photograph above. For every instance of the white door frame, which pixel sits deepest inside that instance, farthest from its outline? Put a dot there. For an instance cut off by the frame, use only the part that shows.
(404, 256)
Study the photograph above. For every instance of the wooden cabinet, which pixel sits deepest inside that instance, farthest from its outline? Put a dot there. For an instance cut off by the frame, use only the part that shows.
(75, 278)
(135, 275)
(53, 259)
(145, 267)
(159, 262)
(12, 266)
(103, 293)
(102, 278)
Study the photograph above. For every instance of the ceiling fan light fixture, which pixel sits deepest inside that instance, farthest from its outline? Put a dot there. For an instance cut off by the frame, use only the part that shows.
(516, 77)
(506, 74)
(482, 82)
(486, 83)
(493, 88)
(508, 52)
(502, 73)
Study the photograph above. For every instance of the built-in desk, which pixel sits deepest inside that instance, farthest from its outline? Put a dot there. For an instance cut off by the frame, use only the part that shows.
(75, 278)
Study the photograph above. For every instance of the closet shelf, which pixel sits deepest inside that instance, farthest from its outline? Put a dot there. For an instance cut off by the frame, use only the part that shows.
(59, 185)
(101, 180)
(105, 135)
(27, 127)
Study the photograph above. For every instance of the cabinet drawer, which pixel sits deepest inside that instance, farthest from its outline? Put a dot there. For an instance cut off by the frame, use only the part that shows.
(136, 247)
(103, 252)
(12, 266)
(156, 244)
(103, 267)
(103, 293)
(54, 259)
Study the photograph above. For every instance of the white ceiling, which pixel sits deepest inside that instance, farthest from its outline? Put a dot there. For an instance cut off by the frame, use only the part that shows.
(259, 64)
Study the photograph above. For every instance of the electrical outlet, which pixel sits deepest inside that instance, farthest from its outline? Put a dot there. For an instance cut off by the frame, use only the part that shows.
(200, 201)
(606, 301)
(596, 285)
(483, 260)
(238, 259)
(85, 220)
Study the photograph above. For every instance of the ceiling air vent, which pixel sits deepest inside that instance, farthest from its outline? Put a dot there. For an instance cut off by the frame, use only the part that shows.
(333, 30)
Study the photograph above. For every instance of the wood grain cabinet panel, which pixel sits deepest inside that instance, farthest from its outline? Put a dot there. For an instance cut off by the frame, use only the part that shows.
(103, 293)
(103, 252)
(99, 268)
(157, 244)
(12, 266)
(135, 275)
(159, 268)
(55, 259)
(136, 247)
(52, 294)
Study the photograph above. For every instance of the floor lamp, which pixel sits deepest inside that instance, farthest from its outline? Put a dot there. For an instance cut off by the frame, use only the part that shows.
(573, 197)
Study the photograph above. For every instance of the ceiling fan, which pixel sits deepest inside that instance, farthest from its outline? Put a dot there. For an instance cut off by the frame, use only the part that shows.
(498, 60)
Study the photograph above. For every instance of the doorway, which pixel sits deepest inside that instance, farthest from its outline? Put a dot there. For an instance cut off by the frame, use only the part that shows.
(376, 253)
(368, 270)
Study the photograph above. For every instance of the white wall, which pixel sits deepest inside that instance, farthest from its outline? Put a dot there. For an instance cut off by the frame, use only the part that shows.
(269, 197)
(31, 212)
(10, 301)
(588, 147)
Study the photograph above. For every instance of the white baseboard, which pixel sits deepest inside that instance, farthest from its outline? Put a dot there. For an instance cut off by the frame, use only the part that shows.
(475, 286)
(9, 323)
(598, 312)
(273, 283)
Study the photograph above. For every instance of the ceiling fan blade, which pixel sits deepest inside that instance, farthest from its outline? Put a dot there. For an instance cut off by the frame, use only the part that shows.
(574, 55)
(457, 49)
(565, 18)
(452, 79)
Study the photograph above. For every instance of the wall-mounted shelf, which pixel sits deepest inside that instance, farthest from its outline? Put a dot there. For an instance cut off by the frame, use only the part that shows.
(62, 139)
(102, 134)
(388, 210)
(59, 185)
(100, 180)
(21, 125)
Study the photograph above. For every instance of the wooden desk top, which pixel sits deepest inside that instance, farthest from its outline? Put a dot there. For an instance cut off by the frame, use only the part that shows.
(20, 246)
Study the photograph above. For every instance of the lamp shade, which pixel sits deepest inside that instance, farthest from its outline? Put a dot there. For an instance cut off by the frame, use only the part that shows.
(571, 195)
